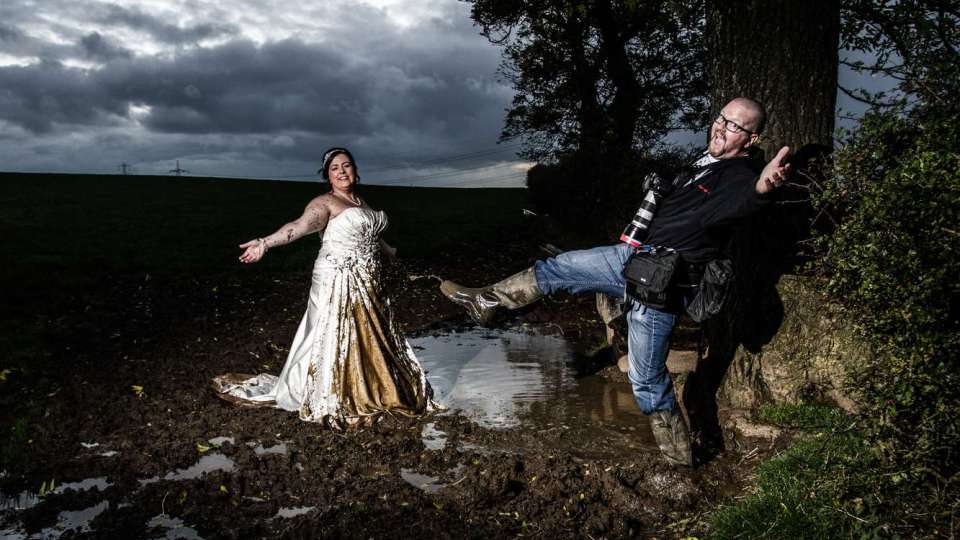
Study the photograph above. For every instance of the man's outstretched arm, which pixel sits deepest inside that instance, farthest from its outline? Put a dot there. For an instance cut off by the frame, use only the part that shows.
(774, 173)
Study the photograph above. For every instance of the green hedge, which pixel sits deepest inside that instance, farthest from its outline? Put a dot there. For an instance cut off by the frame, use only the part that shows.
(893, 259)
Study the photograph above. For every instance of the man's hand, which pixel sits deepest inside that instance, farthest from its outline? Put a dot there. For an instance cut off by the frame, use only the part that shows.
(774, 173)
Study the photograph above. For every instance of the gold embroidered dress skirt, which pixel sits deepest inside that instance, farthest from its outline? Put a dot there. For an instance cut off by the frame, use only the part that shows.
(348, 361)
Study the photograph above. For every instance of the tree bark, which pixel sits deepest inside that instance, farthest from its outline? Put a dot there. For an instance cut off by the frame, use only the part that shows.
(783, 54)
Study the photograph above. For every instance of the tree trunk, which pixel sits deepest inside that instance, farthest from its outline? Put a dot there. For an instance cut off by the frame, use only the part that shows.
(783, 54)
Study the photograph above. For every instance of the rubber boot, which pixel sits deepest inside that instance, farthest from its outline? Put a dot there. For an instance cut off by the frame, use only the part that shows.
(481, 304)
(672, 436)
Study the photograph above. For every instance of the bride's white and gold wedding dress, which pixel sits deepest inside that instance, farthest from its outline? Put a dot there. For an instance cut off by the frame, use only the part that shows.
(348, 362)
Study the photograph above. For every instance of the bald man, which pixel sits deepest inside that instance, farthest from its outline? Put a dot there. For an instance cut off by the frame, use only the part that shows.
(695, 220)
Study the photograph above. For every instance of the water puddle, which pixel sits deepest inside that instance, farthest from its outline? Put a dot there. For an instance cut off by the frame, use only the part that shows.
(100, 483)
(207, 464)
(279, 448)
(427, 483)
(23, 501)
(173, 528)
(287, 513)
(509, 379)
(76, 522)
(29, 499)
(220, 441)
(433, 438)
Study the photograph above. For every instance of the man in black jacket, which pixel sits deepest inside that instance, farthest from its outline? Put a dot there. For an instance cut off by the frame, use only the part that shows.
(694, 219)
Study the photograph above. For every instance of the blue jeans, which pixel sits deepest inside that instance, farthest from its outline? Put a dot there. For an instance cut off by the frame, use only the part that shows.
(601, 270)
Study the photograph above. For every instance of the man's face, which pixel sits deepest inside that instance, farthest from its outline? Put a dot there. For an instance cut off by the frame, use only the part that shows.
(729, 138)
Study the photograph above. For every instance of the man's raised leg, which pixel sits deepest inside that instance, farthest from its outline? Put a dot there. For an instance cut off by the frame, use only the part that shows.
(591, 270)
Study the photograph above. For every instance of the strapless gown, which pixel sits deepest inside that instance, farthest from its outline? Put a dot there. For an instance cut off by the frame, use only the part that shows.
(348, 362)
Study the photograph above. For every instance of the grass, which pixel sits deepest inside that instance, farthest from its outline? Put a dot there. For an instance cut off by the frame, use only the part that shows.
(815, 489)
(802, 416)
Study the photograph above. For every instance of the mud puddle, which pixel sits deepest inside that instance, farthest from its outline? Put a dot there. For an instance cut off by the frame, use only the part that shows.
(528, 382)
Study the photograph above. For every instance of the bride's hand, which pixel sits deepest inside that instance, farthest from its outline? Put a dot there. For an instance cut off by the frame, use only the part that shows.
(253, 251)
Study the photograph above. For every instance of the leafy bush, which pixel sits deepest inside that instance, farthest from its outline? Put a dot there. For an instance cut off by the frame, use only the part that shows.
(894, 261)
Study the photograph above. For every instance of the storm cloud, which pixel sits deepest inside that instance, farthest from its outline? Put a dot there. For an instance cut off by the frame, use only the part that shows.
(243, 88)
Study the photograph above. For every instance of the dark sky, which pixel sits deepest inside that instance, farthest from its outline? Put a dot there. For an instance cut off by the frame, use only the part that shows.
(254, 88)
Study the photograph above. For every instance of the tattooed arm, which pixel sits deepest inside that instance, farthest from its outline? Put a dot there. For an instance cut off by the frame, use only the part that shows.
(314, 219)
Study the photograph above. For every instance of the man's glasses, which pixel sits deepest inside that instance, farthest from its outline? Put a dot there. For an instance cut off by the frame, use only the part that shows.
(730, 125)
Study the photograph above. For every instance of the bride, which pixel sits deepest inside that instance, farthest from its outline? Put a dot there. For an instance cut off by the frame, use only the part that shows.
(348, 362)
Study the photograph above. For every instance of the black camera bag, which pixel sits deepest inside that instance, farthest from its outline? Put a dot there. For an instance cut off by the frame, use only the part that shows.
(649, 275)
(713, 290)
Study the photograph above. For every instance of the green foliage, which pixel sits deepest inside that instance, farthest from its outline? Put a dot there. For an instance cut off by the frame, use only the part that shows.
(597, 76)
(814, 489)
(893, 261)
(915, 42)
(802, 416)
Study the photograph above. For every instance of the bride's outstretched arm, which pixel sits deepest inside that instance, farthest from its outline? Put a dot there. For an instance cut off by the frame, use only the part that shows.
(314, 219)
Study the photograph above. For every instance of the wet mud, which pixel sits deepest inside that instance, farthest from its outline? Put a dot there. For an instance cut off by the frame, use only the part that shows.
(541, 437)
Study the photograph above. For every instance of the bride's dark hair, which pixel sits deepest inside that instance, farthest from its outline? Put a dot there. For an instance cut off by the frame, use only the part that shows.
(332, 153)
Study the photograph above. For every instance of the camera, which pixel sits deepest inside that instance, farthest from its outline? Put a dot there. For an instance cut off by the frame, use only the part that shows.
(656, 189)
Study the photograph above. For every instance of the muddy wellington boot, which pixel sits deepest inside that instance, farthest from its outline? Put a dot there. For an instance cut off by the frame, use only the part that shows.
(673, 438)
(481, 303)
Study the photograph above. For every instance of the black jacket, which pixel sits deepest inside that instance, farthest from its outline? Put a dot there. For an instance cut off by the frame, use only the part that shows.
(696, 219)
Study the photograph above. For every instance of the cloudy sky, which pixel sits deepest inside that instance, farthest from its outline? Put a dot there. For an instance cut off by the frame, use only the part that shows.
(254, 88)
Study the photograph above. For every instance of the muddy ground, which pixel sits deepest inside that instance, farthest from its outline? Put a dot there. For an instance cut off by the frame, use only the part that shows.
(136, 385)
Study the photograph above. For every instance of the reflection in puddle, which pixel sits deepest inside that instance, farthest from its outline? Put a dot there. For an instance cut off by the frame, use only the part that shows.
(219, 441)
(174, 528)
(426, 482)
(100, 483)
(288, 513)
(430, 484)
(23, 501)
(208, 463)
(433, 438)
(12, 533)
(280, 448)
(28, 499)
(509, 379)
(76, 522)
(79, 520)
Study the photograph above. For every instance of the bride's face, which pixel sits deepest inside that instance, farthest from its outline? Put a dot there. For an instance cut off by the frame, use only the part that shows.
(342, 173)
